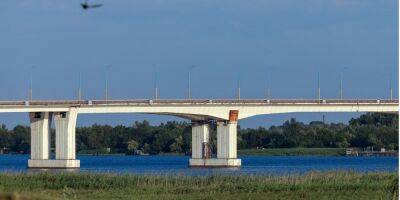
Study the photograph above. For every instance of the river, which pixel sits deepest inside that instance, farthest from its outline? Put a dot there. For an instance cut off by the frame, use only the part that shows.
(251, 165)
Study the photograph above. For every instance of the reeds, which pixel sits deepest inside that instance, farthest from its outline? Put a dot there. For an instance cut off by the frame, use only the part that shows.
(204, 186)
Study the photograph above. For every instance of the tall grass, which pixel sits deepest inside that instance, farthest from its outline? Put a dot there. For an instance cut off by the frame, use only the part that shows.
(385, 185)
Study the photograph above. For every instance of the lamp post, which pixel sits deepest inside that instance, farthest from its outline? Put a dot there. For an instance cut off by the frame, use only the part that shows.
(341, 82)
(31, 83)
(155, 83)
(341, 85)
(319, 88)
(107, 68)
(268, 87)
(190, 82)
(391, 81)
(79, 87)
(391, 88)
(238, 88)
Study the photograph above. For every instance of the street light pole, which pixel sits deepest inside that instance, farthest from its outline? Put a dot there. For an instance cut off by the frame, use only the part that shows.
(79, 87)
(238, 88)
(391, 88)
(190, 82)
(189, 86)
(341, 81)
(31, 83)
(106, 82)
(319, 88)
(268, 88)
(155, 83)
(341, 85)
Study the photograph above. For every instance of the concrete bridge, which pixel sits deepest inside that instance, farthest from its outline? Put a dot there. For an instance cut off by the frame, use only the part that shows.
(225, 113)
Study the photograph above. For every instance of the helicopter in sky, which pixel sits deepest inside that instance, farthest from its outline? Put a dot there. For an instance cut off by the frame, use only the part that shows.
(85, 5)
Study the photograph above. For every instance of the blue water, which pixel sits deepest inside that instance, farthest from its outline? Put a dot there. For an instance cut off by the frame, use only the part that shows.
(251, 165)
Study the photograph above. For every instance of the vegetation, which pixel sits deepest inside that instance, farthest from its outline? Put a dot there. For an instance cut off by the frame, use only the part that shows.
(339, 185)
(294, 152)
(369, 130)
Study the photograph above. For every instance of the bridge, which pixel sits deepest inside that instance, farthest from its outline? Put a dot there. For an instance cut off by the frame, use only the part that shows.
(224, 112)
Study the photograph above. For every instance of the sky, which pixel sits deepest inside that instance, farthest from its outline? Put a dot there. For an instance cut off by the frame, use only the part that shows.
(280, 44)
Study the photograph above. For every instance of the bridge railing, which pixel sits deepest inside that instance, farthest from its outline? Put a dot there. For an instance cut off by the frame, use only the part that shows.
(195, 101)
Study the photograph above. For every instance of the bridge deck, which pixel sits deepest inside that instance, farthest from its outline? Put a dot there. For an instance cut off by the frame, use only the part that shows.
(193, 101)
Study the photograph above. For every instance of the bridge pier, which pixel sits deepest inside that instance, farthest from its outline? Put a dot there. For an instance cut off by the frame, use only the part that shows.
(200, 141)
(40, 137)
(226, 144)
(65, 124)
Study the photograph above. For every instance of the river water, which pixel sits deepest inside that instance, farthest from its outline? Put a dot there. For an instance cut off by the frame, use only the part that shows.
(251, 165)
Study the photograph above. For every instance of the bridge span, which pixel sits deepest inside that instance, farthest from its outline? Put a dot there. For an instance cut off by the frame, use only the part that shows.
(224, 112)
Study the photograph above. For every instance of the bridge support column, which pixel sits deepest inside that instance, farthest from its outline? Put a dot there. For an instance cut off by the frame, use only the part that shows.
(65, 124)
(226, 145)
(227, 141)
(200, 143)
(40, 138)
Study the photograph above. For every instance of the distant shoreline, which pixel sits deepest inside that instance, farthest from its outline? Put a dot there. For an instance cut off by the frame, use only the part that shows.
(241, 152)
(269, 152)
(293, 152)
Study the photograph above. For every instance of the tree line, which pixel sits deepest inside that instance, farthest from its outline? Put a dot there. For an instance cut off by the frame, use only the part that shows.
(375, 130)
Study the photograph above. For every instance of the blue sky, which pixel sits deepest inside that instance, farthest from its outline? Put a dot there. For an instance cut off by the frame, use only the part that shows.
(284, 41)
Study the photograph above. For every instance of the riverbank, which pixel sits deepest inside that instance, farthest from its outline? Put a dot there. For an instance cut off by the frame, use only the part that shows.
(293, 152)
(267, 152)
(333, 185)
(260, 152)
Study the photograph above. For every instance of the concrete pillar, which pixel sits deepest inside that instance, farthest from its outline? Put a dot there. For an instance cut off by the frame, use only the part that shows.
(200, 135)
(226, 140)
(40, 135)
(226, 145)
(65, 124)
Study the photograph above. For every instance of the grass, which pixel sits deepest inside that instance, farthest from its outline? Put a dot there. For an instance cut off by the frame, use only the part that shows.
(334, 185)
(293, 152)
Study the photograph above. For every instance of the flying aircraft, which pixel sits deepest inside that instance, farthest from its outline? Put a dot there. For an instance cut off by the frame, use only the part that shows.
(85, 5)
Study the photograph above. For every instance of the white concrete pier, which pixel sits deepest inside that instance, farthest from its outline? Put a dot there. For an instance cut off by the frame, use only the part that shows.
(215, 162)
(226, 144)
(65, 124)
(53, 164)
(40, 137)
(226, 147)
(226, 139)
(200, 136)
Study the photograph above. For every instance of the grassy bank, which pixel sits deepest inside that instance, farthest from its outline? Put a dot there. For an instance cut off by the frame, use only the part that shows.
(103, 186)
(293, 152)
